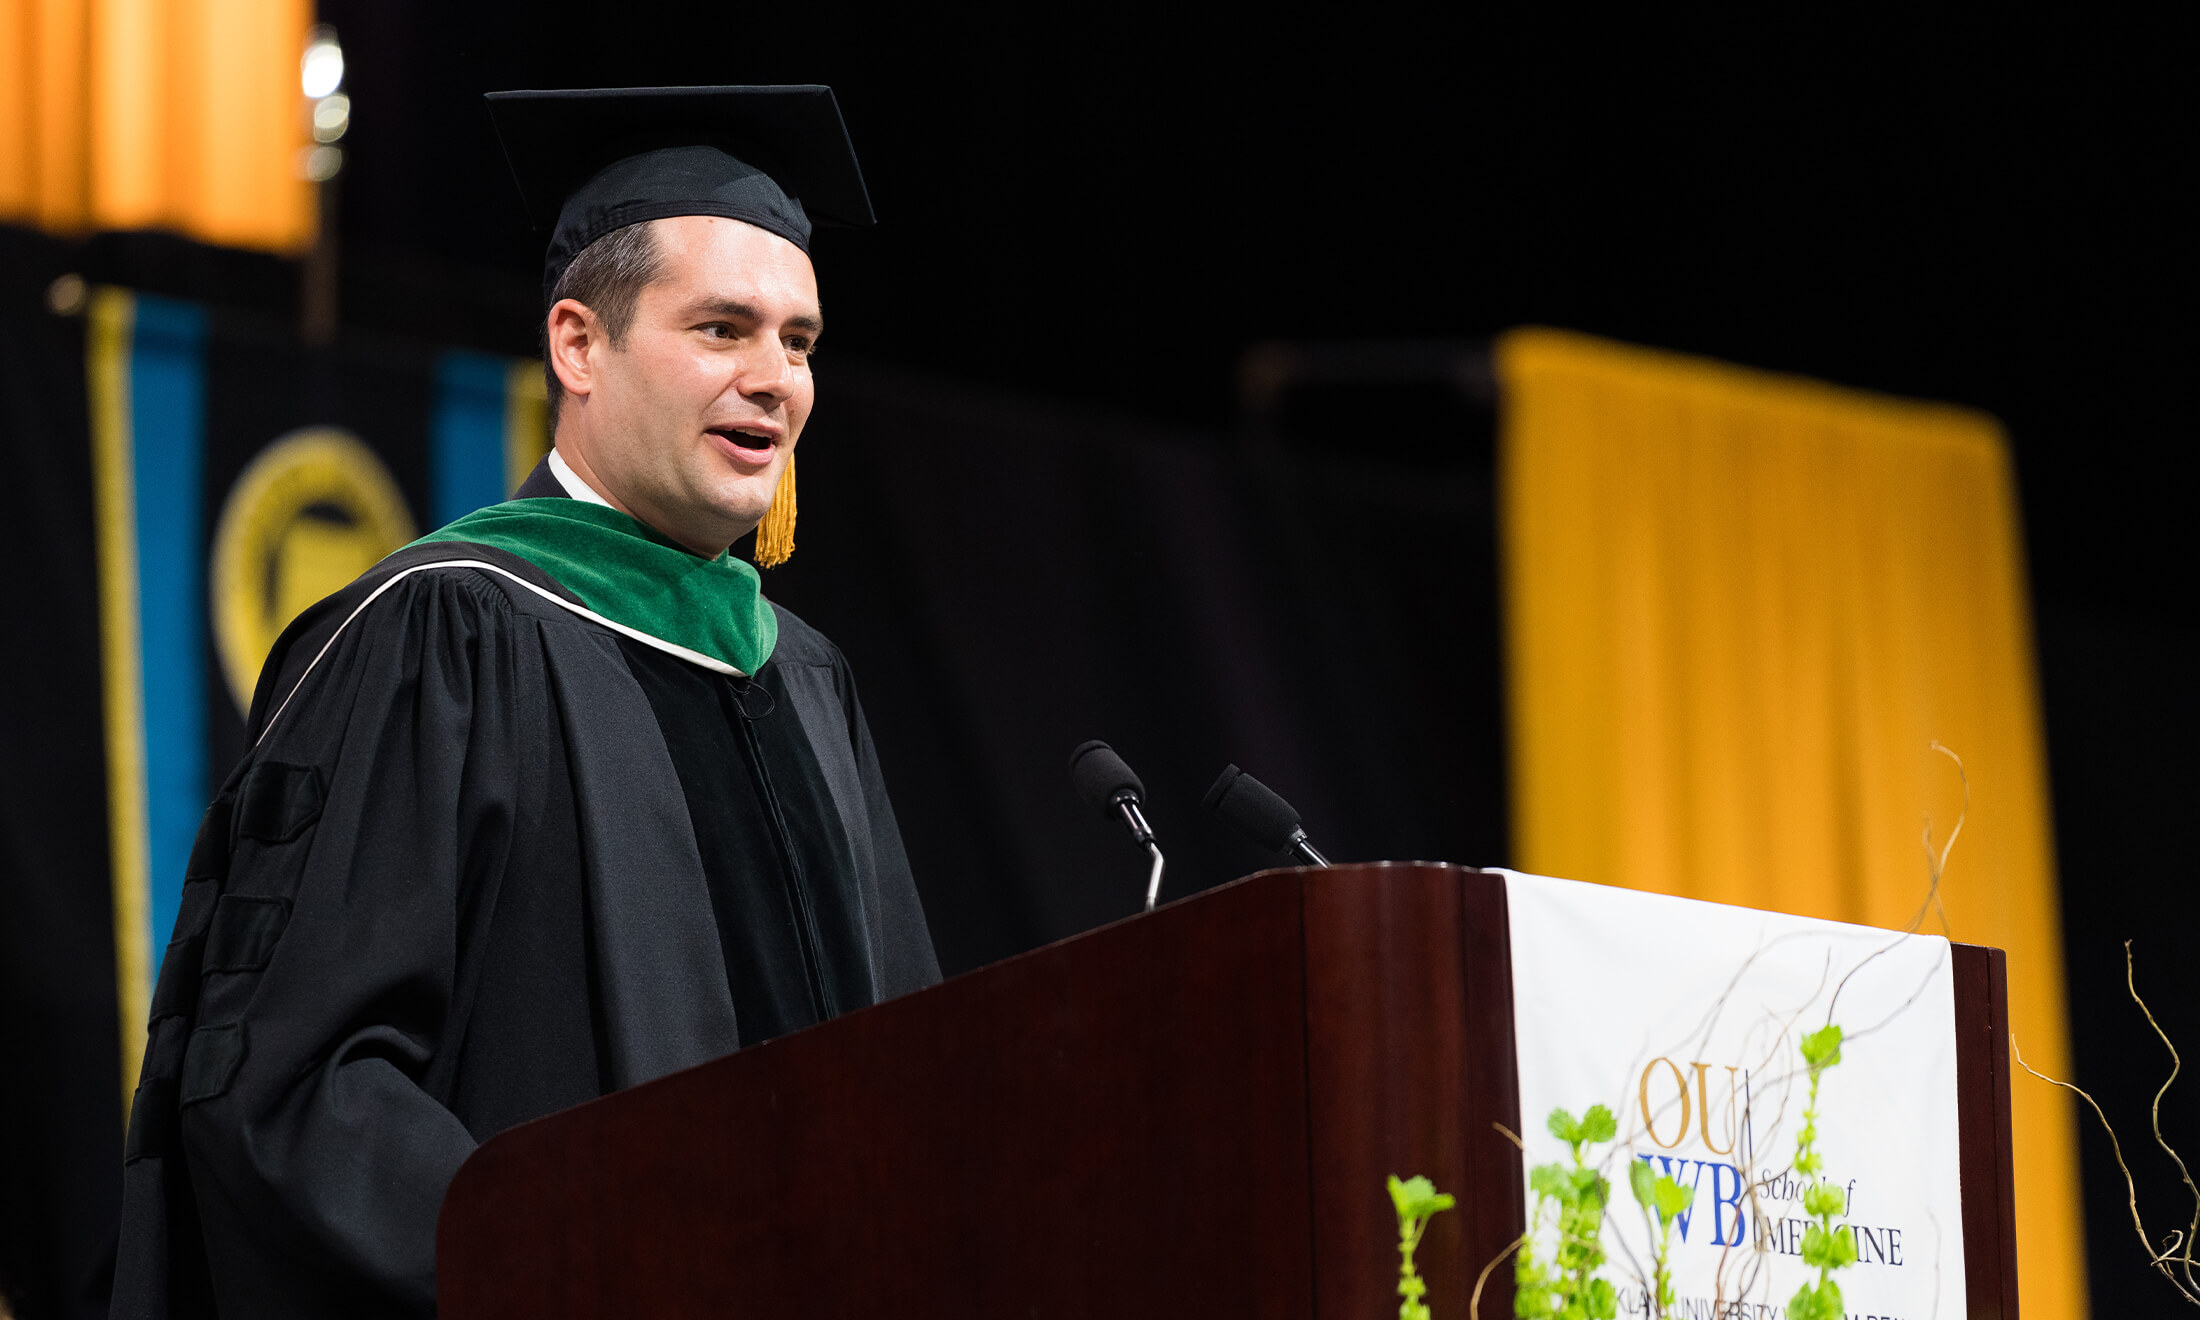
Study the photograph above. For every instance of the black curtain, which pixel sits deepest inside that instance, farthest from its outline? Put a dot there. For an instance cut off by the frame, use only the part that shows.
(1010, 579)
(60, 1084)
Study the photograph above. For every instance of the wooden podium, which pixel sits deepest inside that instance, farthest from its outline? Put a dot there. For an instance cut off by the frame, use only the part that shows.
(1191, 1112)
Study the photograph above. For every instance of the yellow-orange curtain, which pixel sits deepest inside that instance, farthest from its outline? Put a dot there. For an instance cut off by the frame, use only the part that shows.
(1740, 607)
(184, 115)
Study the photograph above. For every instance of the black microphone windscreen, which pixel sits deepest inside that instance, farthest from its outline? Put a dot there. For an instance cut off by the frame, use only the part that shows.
(1254, 809)
(1100, 775)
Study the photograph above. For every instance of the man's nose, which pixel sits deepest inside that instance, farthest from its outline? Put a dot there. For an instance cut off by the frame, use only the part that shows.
(766, 373)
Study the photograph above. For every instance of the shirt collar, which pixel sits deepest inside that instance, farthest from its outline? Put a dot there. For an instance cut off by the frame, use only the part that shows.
(571, 480)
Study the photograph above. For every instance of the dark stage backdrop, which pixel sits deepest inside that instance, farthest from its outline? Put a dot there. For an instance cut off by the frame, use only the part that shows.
(60, 1092)
(1010, 578)
(1986, 210)
(1192, 594)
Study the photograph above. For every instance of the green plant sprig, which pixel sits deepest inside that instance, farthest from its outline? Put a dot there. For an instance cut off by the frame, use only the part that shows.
(1566, 1287)
(1416, 1200)
(1659, 1195)
(1824, 1244)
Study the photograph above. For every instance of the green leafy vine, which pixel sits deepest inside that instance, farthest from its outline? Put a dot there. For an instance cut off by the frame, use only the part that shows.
(1662, 1197)
(1564, 1286)
(1416, 1200)
(1825, 1245)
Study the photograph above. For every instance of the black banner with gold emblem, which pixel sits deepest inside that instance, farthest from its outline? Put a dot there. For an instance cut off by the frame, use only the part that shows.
(239, 477)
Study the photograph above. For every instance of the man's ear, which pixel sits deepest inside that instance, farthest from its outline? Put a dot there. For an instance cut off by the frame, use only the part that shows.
(572, 331)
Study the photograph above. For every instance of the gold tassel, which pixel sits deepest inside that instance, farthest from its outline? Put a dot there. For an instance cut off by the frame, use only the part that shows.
(775, 535)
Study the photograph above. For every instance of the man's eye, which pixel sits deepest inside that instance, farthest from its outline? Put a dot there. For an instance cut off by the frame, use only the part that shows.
(718, 330)
(800, 345)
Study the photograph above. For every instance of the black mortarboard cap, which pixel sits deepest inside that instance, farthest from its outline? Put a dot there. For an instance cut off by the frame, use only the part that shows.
(591, 161)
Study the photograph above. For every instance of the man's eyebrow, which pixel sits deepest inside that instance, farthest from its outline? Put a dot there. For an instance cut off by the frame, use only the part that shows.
(741, 311)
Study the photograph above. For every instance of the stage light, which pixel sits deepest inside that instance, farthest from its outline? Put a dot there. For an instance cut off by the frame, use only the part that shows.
(67, 295)
(321, 70)
(320, 164)
(321, 78)
(331, 116)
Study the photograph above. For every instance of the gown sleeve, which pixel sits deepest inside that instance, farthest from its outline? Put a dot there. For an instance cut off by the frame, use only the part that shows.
(908, 960)
(374, 803)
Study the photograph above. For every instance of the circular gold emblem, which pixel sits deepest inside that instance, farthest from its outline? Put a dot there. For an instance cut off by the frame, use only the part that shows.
(312, 511)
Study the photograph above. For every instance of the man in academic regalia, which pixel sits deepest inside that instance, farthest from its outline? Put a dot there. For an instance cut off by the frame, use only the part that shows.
(552, 801)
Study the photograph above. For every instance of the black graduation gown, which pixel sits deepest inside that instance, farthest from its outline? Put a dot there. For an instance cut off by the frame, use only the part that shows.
(485, 860)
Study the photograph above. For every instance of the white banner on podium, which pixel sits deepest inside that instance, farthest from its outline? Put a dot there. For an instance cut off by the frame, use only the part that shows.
(1684, 1020)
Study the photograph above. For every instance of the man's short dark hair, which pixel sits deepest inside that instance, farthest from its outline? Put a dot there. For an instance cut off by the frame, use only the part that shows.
(608, 278)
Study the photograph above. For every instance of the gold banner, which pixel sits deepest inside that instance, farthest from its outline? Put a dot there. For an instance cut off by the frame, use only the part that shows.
(1740, 610)
(184, 115)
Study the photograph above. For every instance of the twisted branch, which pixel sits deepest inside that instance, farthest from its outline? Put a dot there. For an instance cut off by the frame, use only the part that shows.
(2177, 1245)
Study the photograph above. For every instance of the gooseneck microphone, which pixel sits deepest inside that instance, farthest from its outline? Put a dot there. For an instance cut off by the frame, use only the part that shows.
(1105, 780)
(1261, 815)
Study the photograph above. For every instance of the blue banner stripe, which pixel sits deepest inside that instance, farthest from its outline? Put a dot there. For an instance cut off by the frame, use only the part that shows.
(168, 433)
(467, 440)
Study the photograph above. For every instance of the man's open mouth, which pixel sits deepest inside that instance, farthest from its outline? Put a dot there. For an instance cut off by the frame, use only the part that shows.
(748, 446)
